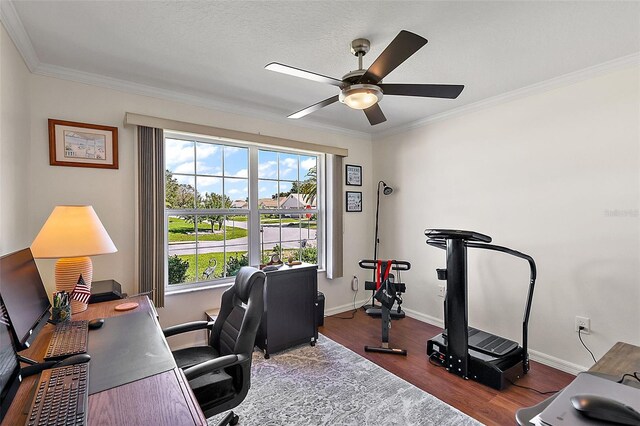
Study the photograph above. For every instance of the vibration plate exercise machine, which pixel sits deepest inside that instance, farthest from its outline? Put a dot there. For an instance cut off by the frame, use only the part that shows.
(386, 291)
(467, 352)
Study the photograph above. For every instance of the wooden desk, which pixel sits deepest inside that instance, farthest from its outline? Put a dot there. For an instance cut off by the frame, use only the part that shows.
(620, 359)
(162, 399)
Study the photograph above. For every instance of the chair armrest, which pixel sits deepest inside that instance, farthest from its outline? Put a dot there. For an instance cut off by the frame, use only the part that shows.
(186, 327)
(211, 365)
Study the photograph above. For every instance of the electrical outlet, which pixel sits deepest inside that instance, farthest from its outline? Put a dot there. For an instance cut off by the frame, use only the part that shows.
(585, 323)
(441, 290)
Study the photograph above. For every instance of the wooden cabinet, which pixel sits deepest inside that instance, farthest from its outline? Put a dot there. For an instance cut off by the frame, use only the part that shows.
(289, 318)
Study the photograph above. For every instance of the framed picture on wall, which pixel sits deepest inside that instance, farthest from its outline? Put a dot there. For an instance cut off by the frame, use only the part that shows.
(353, 175)
(354, 201)
(82, 145)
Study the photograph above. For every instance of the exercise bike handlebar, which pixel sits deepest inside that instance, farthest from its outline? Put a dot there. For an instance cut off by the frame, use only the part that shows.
(441, 243)
(398, 265)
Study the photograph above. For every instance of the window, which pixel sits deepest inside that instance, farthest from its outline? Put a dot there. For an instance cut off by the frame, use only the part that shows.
(230, 204)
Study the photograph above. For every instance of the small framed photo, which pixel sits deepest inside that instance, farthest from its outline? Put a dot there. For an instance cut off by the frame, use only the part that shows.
(82, 145)
(354, 175)
(354, 201)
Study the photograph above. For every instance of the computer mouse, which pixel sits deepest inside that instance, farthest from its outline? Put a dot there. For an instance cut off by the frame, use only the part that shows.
(607, 409)
(96, 323)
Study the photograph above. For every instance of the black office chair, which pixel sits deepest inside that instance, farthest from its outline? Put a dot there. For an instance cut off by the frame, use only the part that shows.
(219, 374)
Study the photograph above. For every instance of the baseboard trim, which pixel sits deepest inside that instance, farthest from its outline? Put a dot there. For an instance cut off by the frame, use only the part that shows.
(557, 363)
(344, 308)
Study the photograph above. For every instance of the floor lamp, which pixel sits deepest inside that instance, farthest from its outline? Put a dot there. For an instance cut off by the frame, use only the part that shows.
(386, 190)
(71, 234)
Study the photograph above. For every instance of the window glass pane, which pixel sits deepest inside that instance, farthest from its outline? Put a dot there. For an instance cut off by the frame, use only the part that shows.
(284, 200)
(179, 156)
(308, 176)
(288, 166)
(236, 161)
(179, 191)
(236, 241)
(206, 176)
(267, 165)
(267, 190)
(181, 242)
(210, 244)
(236, 192)
(209, 193)
(269, 234)
(209, 159)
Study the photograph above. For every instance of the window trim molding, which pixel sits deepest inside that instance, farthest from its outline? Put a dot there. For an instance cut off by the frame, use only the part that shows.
(169, 125)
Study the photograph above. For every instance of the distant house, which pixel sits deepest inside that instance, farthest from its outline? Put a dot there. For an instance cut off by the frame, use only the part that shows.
(239, 204)
(269, 203)
(296, 201)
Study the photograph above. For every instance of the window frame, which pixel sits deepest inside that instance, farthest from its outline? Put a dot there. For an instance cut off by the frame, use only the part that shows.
(253, 212)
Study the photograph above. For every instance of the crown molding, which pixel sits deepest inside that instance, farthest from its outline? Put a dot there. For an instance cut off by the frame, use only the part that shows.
(541, 87)
(64, 73)
(12, 23)
(18, 34)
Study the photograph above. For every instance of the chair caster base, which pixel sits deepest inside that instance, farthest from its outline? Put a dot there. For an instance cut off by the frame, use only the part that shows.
(229, 419)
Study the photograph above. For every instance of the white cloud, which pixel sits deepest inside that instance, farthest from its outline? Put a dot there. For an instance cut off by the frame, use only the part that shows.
(206, 150)
(178, 152)
(288, 167)
(267, 169)
(204, 168)
(184, 168)
(308, 163)
(242, 173)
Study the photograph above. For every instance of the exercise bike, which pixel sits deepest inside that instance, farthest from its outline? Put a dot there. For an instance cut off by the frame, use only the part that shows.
(468, 352)
(388, 292)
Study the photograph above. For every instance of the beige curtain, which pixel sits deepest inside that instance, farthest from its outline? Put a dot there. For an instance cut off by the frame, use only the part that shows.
(151, 213)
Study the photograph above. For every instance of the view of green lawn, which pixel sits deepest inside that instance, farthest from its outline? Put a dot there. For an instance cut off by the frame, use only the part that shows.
(182, 230)
(204, 261)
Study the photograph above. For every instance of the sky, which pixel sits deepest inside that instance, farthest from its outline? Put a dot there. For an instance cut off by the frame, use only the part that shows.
(221, 165)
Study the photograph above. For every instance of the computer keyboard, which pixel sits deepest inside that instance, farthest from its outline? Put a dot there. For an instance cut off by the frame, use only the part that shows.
(61, 397)
(69, 338)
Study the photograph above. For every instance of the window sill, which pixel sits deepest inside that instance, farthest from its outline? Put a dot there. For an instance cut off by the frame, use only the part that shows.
(226, 284)
(172, 292)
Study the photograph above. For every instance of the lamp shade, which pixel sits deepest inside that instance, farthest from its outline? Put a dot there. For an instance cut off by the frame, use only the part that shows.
(72, 231)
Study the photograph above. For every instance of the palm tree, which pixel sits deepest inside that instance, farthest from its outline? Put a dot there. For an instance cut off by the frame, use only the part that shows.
(309, 188)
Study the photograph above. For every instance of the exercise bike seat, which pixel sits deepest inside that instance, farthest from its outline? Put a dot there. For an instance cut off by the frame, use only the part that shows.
(456, 234)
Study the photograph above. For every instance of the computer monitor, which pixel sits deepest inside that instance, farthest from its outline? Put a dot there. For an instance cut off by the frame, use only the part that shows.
(9, 366)
(24, 295)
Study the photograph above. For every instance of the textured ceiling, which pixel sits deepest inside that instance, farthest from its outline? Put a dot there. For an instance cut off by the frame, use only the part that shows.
(217, 50)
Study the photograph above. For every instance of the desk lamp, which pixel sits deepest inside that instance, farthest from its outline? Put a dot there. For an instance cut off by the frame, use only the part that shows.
(72, 234)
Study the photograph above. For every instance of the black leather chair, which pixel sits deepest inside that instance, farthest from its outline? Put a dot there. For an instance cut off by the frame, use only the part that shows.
(219, 374)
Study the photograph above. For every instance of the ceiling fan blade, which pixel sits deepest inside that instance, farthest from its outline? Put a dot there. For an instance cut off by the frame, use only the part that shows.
(314, 107)
(297, 72)
(448, 91)
(399, 50)
(374, 115)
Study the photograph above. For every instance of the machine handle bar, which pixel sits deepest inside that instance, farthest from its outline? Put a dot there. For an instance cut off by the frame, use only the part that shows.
(397, 265)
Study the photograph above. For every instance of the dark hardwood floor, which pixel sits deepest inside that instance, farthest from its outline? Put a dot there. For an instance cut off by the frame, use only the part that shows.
(487, 405)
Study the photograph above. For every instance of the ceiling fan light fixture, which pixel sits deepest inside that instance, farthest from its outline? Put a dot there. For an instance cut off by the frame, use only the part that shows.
(360, 96)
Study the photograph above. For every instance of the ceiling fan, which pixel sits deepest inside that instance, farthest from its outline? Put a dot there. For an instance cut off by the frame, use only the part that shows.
(363, 89)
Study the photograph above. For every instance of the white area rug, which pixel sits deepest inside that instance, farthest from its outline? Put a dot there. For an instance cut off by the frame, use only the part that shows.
(330, 385)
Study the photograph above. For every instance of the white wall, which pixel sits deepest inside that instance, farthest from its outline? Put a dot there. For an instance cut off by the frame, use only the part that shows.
(541, 175)
(14, 147)
(112, 192)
